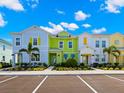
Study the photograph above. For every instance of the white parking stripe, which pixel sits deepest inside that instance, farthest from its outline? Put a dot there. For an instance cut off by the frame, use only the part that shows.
(8, 79)
(34, 91)
(87, 84)
(114, 78)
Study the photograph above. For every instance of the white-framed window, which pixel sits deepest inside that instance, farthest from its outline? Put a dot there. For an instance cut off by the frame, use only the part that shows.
(103, 44)
(61, 44)
(35, 41)
(97, 58)
(97, 43)
(17, 41)
(4, 47)
(117, 42)
(104, 58)
(70, 44)
(3, 58)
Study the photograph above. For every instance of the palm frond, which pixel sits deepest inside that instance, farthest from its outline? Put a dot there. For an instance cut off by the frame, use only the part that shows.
(23, 50)
(35, 49)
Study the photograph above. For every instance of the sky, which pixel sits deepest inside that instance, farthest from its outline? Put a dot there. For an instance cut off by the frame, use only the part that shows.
(74, 16)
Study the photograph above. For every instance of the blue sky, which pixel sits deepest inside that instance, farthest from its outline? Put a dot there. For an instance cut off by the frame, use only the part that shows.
(75, 16)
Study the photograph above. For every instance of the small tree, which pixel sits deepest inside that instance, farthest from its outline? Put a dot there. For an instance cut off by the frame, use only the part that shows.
(29, 51)
(112, 50)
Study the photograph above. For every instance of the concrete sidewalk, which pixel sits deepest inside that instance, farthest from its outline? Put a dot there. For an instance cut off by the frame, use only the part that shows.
(60, 72)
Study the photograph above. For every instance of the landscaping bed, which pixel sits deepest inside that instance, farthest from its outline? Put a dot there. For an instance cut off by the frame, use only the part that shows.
(70, 65)
(28, 67)
(108, 66)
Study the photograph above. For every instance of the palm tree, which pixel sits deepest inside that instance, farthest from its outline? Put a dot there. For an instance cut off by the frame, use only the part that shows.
(112, 50)
(29, 51)
(116, 54)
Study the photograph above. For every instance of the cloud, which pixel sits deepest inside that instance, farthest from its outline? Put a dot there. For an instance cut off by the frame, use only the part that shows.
(86, 25)
(80, 15)
(54, 29)
(69, 26)
(92, 0)
(2, 21)
(60, 11)
(98, 31)
(32, 3)
(113, 6)
(12, 4)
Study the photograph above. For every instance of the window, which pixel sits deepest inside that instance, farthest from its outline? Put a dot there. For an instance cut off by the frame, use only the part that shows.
(72, 55)
(61, 44)
(70, 44)
(35, 41)
(103, 44)
(3, 58)
(103, 59)
(85, 41)
(117, 42)
(65, 56)
(17, 41)
(97, 58)
(35, 57)
(3, 47)
(97, 44)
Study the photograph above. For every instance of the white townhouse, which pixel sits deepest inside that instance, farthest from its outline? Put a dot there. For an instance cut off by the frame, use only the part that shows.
(39, 39)
(101, 41)
(5, 51)
(91, 48)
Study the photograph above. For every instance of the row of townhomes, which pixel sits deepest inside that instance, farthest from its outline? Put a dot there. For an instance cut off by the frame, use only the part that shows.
(5, 51)
(58, 48)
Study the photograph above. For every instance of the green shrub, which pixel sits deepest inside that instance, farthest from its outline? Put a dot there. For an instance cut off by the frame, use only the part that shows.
(71, 63)
(0, 65)
(116, 68)
(122, 68)
(82, 64)
(110, 68)
(105, 68)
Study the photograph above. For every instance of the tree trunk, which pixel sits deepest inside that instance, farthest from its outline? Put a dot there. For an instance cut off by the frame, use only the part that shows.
(29, 60)
(109, 58)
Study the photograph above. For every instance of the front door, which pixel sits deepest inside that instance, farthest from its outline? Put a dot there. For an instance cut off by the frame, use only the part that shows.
(53, 58)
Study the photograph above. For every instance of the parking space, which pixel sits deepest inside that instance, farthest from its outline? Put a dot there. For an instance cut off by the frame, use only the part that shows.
(21, 84)
(62, 84)
(104, 84)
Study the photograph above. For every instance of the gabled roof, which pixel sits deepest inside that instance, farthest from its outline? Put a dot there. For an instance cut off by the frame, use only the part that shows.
(34, 27)
(5, 42)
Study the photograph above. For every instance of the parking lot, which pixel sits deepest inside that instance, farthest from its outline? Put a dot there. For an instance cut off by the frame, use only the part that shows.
(62, 84)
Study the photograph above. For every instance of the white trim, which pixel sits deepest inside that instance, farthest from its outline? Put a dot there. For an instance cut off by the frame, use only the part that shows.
(87, 84)
(35, 90)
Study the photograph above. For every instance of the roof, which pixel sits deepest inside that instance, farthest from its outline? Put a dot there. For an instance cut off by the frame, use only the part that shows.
(5, 42)
(28, 29)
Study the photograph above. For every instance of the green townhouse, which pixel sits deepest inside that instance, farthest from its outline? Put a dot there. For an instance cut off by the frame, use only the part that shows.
(62, 47)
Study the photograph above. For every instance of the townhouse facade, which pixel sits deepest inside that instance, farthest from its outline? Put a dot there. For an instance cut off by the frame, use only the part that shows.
(86, 48)
(5, 51)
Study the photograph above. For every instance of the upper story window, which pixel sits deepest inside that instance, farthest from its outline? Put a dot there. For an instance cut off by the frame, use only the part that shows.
(97, 44)
(17, 41)
(85, 41)
(103, 44)
(61, 44)
(117, 42)
(70, 44)
(4, 48)
(35, 41)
